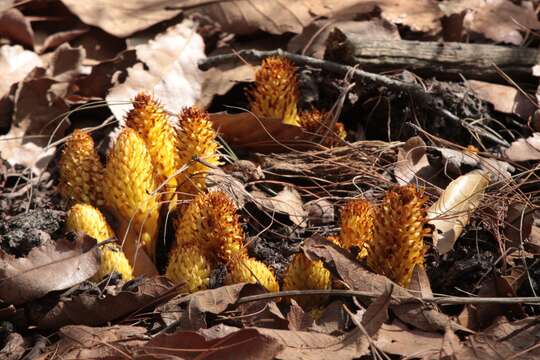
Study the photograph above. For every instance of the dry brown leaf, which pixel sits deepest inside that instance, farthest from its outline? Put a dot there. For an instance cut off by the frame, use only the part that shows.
(50, 267)
(167, 67)
(452, 211)
(15, 63)
(124, 18)
(504, 340)
(397, 339)
(501, 20)
(506, 99)
(525, 149)
(15, 26)
(220, 342)
(412, 162)
(249, 132)
(84, 342)
(287, 201)
(219, 80)
(114, 303)
(14, 347)
(299, 345)
(277, 17)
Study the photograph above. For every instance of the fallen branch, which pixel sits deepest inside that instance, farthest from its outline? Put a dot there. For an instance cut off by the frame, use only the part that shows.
(425, 100)
(440, 300)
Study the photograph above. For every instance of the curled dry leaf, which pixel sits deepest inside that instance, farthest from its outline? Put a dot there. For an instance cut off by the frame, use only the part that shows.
(85, 342)
(167, 67)
(94, 309)
(398, 339)
(16, 63)
(50, 267)
(525, 149)
(220, 342)
(453, 210)
(249, 132)
(287, 201)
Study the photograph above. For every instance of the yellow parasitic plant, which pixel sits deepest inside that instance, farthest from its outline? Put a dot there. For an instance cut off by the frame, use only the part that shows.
(249, 270)
(275, 93)
(210, 222)
(152, 123)
(318, 123)
(86, 218)
(81, 171)
(397, 245)
(356, 225)
(129, 183)
(196, 147)
(190, 265)
(304, 274)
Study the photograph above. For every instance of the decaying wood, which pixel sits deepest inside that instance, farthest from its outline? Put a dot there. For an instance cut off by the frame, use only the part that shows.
(448, 59)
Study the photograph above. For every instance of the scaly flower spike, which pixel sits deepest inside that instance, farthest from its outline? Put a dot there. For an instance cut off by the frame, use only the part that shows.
(129, 184)
(318, 123)
(398, 245)
(249, 270)
(88, 219)
(196, 138)
(191, 265)
(304, 274)
(275, 93)
(81, 171)
(356, 225)
(151, 121)
(210, 222)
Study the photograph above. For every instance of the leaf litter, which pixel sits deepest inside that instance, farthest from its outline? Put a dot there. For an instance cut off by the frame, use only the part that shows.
(469, 145)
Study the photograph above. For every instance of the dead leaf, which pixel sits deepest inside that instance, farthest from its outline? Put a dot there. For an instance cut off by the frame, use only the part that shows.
(452, 211)
(333, 321)
(506, 99)
(500, 20)
(15, 26)
(50, 267)
(504, 340)
(84, 342)
(397, 339)
(287, 201)
(248, 16)
(518, 224)
(14, 347)
(114, 303)
(219, 80)
(16, 63)
(61, 37)
(243, 343)
(167, 67)
(525, 149)
(412, 162)
(213, 301)
(248, 132)
(298, 319)
(66, 63)
(124, 19)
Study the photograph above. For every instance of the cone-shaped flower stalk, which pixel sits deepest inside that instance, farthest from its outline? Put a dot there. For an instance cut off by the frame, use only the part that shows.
(275, 93)
(189, 265)
(252, 271)
(397, 244)
(152, 123)
(88, 219)
(196, 138)
(304, 274)
(318, 123)
(129, 185)
(210, 222)
(81, 171)
(356, 225)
